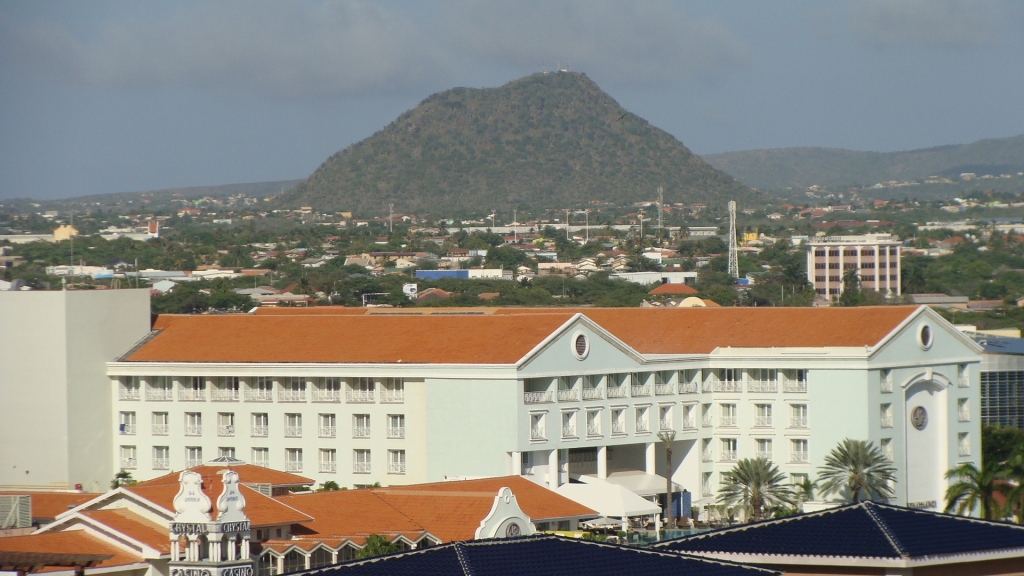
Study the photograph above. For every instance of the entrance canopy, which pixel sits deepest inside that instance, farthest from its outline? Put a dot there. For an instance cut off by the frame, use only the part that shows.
(636, 481)
(609, 499)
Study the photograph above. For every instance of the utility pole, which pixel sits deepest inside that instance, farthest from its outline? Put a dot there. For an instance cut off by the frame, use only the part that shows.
(734, 264)
(661, 204)
(515, 226)
(567, 224)
(588, 225)
(391, 220)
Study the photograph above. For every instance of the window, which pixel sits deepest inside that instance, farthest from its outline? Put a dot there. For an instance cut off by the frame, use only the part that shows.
(193, 424)
(642, 423)
(885, 444)
(593, 422)
(798, 416)
(963, 443)
(763, 448)
(360, 390)
(707, 455)
(592, 388)
(706, 489)
(260, 424)
(360, 461)
(665, 420)
(689, 416)
(321, 557)
(396, 425)
(293, 425)
(193, 456)
(161, 457)
(161, 425)
(393, 390)
(963, 379)
(226, 389)
(225, 423)
(293, 389)
(129, 389)
(537, 427)
(963, 410)
(160, 389)
(293, 459)
(396, 461)
(729, 446)
(261, 456)
(885, 381)
(328, 391)
(294, 561)
(193, 389)
(127, 425)
(261, 389)
(798, 451)
(360, 425)
(707, 418)
(328, 460)
(128, 460)
(618, 420)
(728, 417)
(328, 427)
(569, 424)
(226, 452)
(799, 479)
(885, 415)
(763, 417)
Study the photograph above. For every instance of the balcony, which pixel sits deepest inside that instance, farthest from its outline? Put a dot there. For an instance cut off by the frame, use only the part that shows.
(126, 429)
(537, 433)
(293, 466)
(360, 431)
(616, 391)
(705, 491)
(291, 396)
(193, 462)
(664, 389)
(293, 431)
(326, 395)
(762, 386)
(886, 421)
(593, 429)
(260, 430)
(392, 396)
(795, 386)
(259, 396)
(536, 397)
(728, 386)
(159, 395)
(687, 387)
(224, 395)
(707, 456)
(328, 431)
(226, 430)
(727, 421)
(359, 396)
(193, 430)
(569, 431)
(128, 394)
(361, 468)
(708, 421)
(798, 457)
(618, 428)
(689, 423)
(396, 467)
(766, 454)
(728, 456)
(639, 390)
(642, 427)
(763, 421)
(396, 431)
(328, 467)
(261, 463)
(592, 394)
(568, 395)
(128, 463)
(160, 429)
(161, 464)
(665, 424)
(190, 395)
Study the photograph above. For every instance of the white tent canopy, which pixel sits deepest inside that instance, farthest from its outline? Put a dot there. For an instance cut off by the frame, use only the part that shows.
(609, 499)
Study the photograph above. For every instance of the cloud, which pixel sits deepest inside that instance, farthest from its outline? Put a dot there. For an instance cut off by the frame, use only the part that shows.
(348, 47)
(947, 24)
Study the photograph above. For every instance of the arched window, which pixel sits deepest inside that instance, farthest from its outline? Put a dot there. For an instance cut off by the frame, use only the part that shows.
(267, 565)
(321, 557)
(294, 561)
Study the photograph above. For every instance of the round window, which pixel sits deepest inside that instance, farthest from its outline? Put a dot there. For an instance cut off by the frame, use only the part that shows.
(924, 336)
(512, 530)
(919, 418)
(580, 346)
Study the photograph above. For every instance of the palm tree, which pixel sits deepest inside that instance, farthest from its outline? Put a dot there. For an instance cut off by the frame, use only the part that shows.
(376, 545)
(974, 487)
(1014, 471)
(755, 484)
(859, 467)
(668, 437)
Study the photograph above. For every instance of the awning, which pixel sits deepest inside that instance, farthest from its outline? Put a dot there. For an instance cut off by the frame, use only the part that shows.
(609, 499)
(636, 481)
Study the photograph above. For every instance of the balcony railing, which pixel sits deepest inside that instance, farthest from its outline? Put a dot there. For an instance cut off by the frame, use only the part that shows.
(293, 466)
(616, 391)
(360, 431)
(190, 395)
(328, 431)
(160, 429)
(798, 456)
(727, 421)
(795, 386)
(886, 421)
(642, 426)
(161, 463)
(639, 390)
(193, 462)
(689, 423)
(128, 463)
(259, 395)
(728, 456)
(706, 491)
(361, 468)
(568, 395)
(707, 456)
(326, 395)
(328, 467)
(762, 421)
(128, 394)
(687, 387)
(618, 428)
(593, 429)
(728, 386)
(593, 394)
(291, 396)
(665, 424)
(261, 463)
(664, 389)
(798, 422)
(293, 431)
(224, 395)
(569, 431)
(359, 396)
(537, 433)
(536, 397)
(127, 429)
(396, 467)
(766, 454)
(708, 421)
(159, 394)
(226, 430)
(193, 430)
(260, 430)
(762, 386)
(392, 396)
(396, 431)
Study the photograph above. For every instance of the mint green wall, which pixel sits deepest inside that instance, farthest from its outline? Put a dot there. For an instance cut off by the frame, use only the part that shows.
(838, 409)
(558, 357)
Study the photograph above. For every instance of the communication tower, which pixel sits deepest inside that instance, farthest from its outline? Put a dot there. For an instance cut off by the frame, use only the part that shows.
(734, 263)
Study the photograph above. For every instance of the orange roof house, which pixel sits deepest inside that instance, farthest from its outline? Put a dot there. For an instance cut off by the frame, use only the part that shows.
(672, 289)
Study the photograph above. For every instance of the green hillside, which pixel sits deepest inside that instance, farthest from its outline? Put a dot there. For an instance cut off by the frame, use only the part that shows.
(545, 141)
(779, 168)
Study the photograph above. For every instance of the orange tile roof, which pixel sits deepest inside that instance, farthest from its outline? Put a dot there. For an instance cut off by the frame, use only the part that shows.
(247, 474)
(309, 311)
(349, 514)
(51, 504)
(69, 542)
(134, 526)
(671, 289)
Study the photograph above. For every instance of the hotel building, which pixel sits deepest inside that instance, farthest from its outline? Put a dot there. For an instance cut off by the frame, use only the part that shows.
(875, 257)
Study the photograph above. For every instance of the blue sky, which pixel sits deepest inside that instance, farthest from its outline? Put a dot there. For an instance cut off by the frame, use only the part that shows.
(113, 96)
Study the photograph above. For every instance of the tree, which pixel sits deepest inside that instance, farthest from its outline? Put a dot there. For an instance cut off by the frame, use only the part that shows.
(1014, 472)
(668, 437)
(122, 478)
(755, 484)
(329, 486)
(851, 295)
(974, 487)
(859, 467)
(377, 546)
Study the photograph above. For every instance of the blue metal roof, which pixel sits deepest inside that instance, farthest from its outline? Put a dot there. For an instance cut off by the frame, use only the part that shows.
(865, 529)
(1001, 344)
(537, 556)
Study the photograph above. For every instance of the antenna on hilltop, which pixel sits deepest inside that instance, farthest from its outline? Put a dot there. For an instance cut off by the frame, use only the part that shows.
(661, 204)
(734, 264)
(391, 213)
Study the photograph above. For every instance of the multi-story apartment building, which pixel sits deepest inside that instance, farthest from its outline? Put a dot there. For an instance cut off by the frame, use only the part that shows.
(402, 398)
(875, 257)
(1002, 381)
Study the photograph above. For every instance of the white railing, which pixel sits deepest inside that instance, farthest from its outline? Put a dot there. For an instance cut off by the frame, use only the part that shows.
(762, 421)
(536, 397)
(127, 429)
(568, 431)
(128, 394)
(396, 431)
(260, 430)
(224, 395)
(664, 389)
(708, 421)
(328, 431)
(128, 463)
(259, 395)
(886, 421)
(592, 394)
(396, 467)
(727, 421)
(706, 491)
(687, 387)
(359, 396)
(639, 390)
(963, 416)
(762, 386)
(616, 391)
(707, 385)
(568, 395)
(708, 456)
(665, 424)
(360, 431)
(642, 426)
(193, 430)
(161, 463)
(226, 430)
(159, 394)
(728, 386)
(328, 467)
(392, 396)
(798, 422)
(618, 428)
(766, 454)
(361, 468)
(291, 396)
(798, 456)
(161, 429)
(293, 431)
(689, 423)
(728, 456)
(261, 463)
(326, 395)
(964, 450)
(192, 463)
(537, 433)
(795, 386)
(190, 395)
(593, 429)
(293, 466)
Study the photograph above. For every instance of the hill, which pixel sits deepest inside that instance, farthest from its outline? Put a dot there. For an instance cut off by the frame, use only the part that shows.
(545, 141)
(779, 168)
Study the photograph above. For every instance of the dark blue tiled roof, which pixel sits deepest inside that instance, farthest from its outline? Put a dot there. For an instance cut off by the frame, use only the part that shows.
(865, 529)
(537, 556)
(1001, 345)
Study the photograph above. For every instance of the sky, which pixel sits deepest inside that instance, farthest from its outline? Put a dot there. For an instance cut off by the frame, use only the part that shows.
(117, 96)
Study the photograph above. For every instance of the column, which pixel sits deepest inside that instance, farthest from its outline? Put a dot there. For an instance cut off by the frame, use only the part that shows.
(307, 559)
(878, 286)
(650, 460)
(175, 549)
(517, 463)
(810, 265)
(602, 462)
(280, 564)
(899, 273)
(554, 470)
(842, 271)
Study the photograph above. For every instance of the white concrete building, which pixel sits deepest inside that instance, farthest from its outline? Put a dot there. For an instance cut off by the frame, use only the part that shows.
(875, 257)
(404, 397)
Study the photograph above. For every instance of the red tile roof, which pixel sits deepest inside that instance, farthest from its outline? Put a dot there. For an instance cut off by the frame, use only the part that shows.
(247, 474)
(69, 542)
(51, 504)
(672, 289)
(134, 526)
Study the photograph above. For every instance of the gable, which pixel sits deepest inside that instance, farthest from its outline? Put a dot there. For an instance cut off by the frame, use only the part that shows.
(604, 352)
(948, 345)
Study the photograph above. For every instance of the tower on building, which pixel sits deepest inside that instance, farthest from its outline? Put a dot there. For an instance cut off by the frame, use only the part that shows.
(209, 545)
(734, 263)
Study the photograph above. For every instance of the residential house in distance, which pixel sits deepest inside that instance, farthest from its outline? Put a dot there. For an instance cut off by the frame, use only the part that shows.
(874, 257)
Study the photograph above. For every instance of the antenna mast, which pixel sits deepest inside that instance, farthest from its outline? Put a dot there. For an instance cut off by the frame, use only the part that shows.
(661, 204)
(734, 264)
(391, 221)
